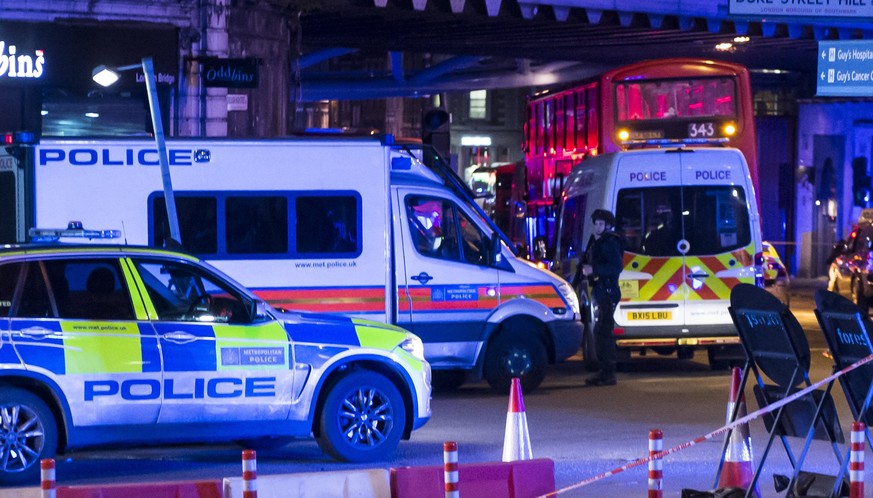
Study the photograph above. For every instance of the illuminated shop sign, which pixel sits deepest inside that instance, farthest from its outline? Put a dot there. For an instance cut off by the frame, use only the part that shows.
(20, 65)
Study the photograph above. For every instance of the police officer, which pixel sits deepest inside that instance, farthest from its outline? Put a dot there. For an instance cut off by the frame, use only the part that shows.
(601, 265)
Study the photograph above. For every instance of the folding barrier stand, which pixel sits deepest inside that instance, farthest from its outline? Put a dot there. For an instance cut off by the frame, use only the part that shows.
(848, 335)
(776, 349)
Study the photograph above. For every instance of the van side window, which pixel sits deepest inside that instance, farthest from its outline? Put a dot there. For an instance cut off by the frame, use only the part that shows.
(572, 228)
(432, 227)
(8, 281)
(256, 225)
(198, 218)
(441, 230)
(262, 224)
(326, 224)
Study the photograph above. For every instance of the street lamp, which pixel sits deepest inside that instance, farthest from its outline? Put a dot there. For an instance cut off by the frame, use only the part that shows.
(106, 76)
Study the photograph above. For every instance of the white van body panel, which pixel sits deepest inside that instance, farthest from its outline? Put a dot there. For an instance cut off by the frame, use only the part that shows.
(456, 309)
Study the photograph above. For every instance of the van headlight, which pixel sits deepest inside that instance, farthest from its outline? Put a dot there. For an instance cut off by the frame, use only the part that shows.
(413, 345)
(570, 296)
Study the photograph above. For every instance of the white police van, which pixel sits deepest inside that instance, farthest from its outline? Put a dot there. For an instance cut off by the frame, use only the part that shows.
(690, 222)
(109, 344)
(357, 226)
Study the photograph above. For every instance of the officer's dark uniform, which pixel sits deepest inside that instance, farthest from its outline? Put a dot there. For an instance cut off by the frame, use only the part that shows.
(605, 255)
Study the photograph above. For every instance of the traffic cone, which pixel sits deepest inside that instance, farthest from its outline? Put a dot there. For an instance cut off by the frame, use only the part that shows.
(516, 441)
(736, 470)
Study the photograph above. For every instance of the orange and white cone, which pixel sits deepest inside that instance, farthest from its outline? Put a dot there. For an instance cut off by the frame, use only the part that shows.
(737, 471)
(516, 441)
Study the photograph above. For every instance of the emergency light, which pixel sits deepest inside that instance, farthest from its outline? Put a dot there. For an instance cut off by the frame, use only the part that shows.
(19, 138)
(74, 229)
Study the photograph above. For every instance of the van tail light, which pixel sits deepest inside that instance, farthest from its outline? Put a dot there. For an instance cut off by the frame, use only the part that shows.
(759, 269)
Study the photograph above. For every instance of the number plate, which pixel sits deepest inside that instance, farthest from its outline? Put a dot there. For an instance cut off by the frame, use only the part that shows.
(649, 315)
(701, 130)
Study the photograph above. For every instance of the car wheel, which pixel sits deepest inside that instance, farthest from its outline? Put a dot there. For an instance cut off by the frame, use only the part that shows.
(515, 352)
(362, 419)
(28, 434)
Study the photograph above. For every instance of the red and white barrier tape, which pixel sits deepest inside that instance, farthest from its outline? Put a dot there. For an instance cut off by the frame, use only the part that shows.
(744, 420)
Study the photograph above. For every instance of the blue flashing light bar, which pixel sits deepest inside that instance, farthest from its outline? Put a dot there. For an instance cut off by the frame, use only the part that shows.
(74, 229)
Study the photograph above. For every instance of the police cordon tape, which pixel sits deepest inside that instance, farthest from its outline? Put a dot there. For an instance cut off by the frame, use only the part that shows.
(726, 428)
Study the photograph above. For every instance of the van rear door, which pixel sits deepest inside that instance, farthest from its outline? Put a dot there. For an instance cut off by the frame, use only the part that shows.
(688, 236)
(718, 242)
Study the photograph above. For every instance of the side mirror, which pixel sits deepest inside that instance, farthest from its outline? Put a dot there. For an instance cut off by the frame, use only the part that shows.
(540, 249)
(259, 310)
(496, 251)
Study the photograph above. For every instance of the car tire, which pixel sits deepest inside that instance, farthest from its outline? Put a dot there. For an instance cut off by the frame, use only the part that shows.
(28, 434)
(362, 419)
(515, 352)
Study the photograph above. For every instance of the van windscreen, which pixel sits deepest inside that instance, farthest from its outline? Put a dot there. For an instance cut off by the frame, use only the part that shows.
(712, 219)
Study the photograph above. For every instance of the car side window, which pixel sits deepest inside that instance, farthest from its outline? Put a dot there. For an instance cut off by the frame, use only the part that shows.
(8, 282)
(33, 302)
(181, 292)
(92, 289)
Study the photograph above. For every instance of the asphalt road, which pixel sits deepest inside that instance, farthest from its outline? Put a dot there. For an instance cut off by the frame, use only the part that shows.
(587, 431)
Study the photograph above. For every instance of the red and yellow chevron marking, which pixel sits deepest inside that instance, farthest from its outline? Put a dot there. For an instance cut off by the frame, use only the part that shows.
(667, 277)
(328, 300)
(668, 282)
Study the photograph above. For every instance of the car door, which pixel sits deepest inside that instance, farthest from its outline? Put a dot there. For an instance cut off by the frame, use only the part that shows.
(74, 320)
(450, 288)
(219, 364)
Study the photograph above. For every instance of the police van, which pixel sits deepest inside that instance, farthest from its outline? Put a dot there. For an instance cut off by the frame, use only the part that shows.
(689, 220)
(355, 226)
(109, 344)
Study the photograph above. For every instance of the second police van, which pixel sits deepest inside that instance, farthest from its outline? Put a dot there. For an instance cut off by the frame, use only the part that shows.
(689, 220)
(356, 226)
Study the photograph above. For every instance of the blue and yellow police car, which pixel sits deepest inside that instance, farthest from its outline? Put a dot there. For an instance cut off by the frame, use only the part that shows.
(113, 344)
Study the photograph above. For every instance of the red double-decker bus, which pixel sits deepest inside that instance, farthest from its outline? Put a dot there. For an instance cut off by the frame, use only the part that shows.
(646, 104)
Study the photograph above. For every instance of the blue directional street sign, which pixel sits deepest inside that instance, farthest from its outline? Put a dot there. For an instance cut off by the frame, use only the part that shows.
(845, 69)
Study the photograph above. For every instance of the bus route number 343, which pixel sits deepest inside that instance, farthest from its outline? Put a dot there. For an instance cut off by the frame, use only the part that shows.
(697, 130)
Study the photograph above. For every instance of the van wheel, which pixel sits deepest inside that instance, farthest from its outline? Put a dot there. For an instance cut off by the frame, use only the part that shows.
(589, 349)
(362, 419)
(515, 352)
(28, 434)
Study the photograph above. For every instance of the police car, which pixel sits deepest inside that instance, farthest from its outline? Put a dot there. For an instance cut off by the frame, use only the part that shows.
(105, 344)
